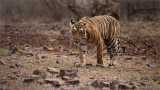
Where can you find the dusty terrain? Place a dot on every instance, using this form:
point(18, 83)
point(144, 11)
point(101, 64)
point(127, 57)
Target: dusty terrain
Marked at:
point(45, 51)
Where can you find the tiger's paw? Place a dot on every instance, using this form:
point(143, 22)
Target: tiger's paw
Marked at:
point(76, 64)
point(99, 65)
point(112, 63)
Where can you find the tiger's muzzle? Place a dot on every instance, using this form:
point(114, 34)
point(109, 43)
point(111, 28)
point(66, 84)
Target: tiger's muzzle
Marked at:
point(76, 40)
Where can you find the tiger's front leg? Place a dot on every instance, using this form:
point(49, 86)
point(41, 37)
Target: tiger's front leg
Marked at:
point(99, 53)
point(82, 57)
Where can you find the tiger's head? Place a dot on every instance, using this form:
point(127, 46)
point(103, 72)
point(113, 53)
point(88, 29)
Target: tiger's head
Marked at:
point(78, 30)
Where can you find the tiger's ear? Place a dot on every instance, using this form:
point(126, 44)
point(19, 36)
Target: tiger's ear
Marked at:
point(72, 22)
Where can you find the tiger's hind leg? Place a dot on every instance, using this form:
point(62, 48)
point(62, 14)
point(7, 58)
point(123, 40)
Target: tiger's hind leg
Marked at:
point(113, 51)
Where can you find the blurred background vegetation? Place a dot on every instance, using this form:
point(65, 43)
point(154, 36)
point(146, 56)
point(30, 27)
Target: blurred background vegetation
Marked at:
point(49, 11)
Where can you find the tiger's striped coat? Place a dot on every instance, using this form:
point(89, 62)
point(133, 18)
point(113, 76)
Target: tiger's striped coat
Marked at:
point(98, 30)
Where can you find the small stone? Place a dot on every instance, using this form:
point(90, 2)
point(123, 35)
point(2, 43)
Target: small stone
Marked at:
point(83, 87)
point(114, 85)
point(105, 88)
point(29, 54)
point(58, 61)
point(128, 58)
point(54, 82)
point(37, 72)
point(12, 49)
point(3, 82)
point(156, 78)
point(41, 73)
point(92, 77)
point(28, 80)
point(105, 84)
point(11, 66)
point(44, 57)
point(96, 84)
point(70, 73)
point(19, 64)
point(10, 59)
point(9, 78)
point(152, 65)
point(144, 78)
point(66, 50)
point(66, 78)
point(124, 86)
point(73, 82)
point(27, 47)
point(2, 62)
point(52, 70)
point(144, 57)
point(143, 84)
point(47, 48)
point(40, 82)
point(6, 89)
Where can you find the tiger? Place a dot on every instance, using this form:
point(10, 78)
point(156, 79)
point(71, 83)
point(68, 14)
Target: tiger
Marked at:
point(99, 30)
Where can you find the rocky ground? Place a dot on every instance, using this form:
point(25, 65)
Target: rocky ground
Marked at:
point(44, 59)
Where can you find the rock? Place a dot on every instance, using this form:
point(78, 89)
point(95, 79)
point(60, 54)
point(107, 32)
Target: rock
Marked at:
point(12, 49)
point(28, 80)
point(156, 78)
point(9, 78)
point(134, 85)
point(66, 50)
point(114, 85)
point(47, 48)
point(144, 57)
point(70, 73)
point(128, 58)
point(159, 82)
point(58, 61)
point(54, 82)
point(105, 88)
point(105, 84)
point(73, 82)
point(96, 84)
point(19, 64)
point(10, 59)
point(2, 62)
point(40, 82)
point(83, 87)
point(35, 76)
point(11, 66)
point(6, 89)
point(41, 73)
point(66, 78)
point(144, 78)
point(124, 86)
point(92, 77)
point(29, 54)
point(44, 57)
point(52, 70)
point(3, 82)
point(143, 84)
point(152, 65)
point(27, 47)
point(37, 72)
